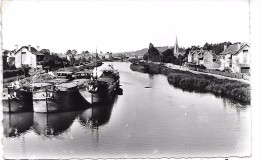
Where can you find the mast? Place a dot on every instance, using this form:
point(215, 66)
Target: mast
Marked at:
point(9, 103)
point(96, 62)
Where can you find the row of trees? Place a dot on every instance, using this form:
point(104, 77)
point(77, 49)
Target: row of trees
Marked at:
point(216, 48)
point(166, 56)
point(53, 60)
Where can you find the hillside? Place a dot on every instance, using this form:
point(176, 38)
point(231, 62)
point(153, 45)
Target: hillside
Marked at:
point(140, 52)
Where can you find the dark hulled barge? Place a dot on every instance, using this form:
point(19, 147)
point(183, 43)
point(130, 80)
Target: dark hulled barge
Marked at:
point(102, 87)
point(17, 99)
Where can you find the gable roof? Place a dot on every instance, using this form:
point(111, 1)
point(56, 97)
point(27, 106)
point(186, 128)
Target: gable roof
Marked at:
point(234, 48)
point(197, 51)
point(242, 46)
point(231, 49)
point(33, 50)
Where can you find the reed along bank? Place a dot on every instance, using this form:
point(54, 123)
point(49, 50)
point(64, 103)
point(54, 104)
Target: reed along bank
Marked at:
point(203, 83)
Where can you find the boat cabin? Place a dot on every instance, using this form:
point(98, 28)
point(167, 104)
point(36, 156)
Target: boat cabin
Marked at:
point(83, 75)
point(57, 81)
point(65, 75)
point(66, 87)
point(38, 86)
point(110, 74)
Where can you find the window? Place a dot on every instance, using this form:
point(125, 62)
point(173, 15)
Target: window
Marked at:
point(245, 53)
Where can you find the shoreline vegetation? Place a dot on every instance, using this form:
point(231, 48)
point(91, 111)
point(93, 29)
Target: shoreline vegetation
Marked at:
point(203, 83)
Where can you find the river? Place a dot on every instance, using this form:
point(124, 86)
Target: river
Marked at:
point(152, 119)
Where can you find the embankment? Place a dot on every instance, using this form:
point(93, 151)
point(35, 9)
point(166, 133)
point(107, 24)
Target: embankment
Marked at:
point(204, 83)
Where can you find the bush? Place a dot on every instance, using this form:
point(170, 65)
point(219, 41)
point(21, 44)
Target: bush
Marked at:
point(24, 70)
point(12, 73)
point(203, 83)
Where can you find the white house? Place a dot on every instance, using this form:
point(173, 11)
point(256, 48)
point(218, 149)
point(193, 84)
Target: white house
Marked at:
point(203, 57)
point(108, 55)
point(236, 57)
point(26, 55)
point(193, 56)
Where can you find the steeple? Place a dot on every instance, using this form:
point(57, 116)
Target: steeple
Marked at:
point(176, 47)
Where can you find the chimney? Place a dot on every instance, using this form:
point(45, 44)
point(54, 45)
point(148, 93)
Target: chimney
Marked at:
point(16, 48)
point(225, 47)
point(238, 45)
point(38, 48)
point(29, 48)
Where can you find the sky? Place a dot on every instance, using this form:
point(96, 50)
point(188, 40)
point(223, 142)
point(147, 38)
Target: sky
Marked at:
point(117, 26)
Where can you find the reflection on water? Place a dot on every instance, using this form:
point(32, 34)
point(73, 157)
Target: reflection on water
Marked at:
point(97, 115)
point(15, 124)
point(53, 124)
point(152, 119)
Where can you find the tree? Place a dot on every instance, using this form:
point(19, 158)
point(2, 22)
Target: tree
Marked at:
point(187, 51)
point(47, 54)
point(145, 57)
point(218, 48)
point(167, 56)
point(153, 53)
point(180, 59)
point(207, 46)
point(25, 68)
point(73, 52)
point(68, 52)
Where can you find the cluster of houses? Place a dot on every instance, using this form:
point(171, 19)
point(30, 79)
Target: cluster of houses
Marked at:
point(26, 55)
point(31, 56)
point(234, 58)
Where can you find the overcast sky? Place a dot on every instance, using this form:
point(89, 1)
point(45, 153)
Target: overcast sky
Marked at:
point(127, 25)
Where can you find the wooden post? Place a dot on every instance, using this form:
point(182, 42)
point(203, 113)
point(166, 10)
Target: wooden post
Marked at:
point(46, 99)
point(91, 98)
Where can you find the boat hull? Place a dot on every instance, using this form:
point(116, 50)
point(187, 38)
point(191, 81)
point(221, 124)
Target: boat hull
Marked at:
point(22, 102)
point(101, 96)
point(60, 101)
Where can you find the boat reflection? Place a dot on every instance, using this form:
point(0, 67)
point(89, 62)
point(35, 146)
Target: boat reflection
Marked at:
point(53, 124)
point(97, 115)
point(15, 124)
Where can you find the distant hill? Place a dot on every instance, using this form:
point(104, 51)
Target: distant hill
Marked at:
point(140, 52)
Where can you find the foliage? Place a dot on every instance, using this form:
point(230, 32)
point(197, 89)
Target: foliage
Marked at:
point(145, 57)
point(24, 70)
point(12, 73)
point(216, 48)
point(153, 53)
point(167, 56)
point(203, 83)
point(68, 52)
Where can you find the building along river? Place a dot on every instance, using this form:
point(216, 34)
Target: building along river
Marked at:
point(152, 119)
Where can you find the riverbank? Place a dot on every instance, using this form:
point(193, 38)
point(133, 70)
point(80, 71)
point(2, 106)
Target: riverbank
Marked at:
point(203, 83)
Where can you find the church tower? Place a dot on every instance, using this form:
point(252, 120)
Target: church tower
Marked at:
point(176, 47)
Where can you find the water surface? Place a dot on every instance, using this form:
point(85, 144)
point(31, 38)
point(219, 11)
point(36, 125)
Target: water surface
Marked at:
point(152, 119)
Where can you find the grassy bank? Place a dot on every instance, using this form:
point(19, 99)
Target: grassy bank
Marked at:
point(204, 83)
